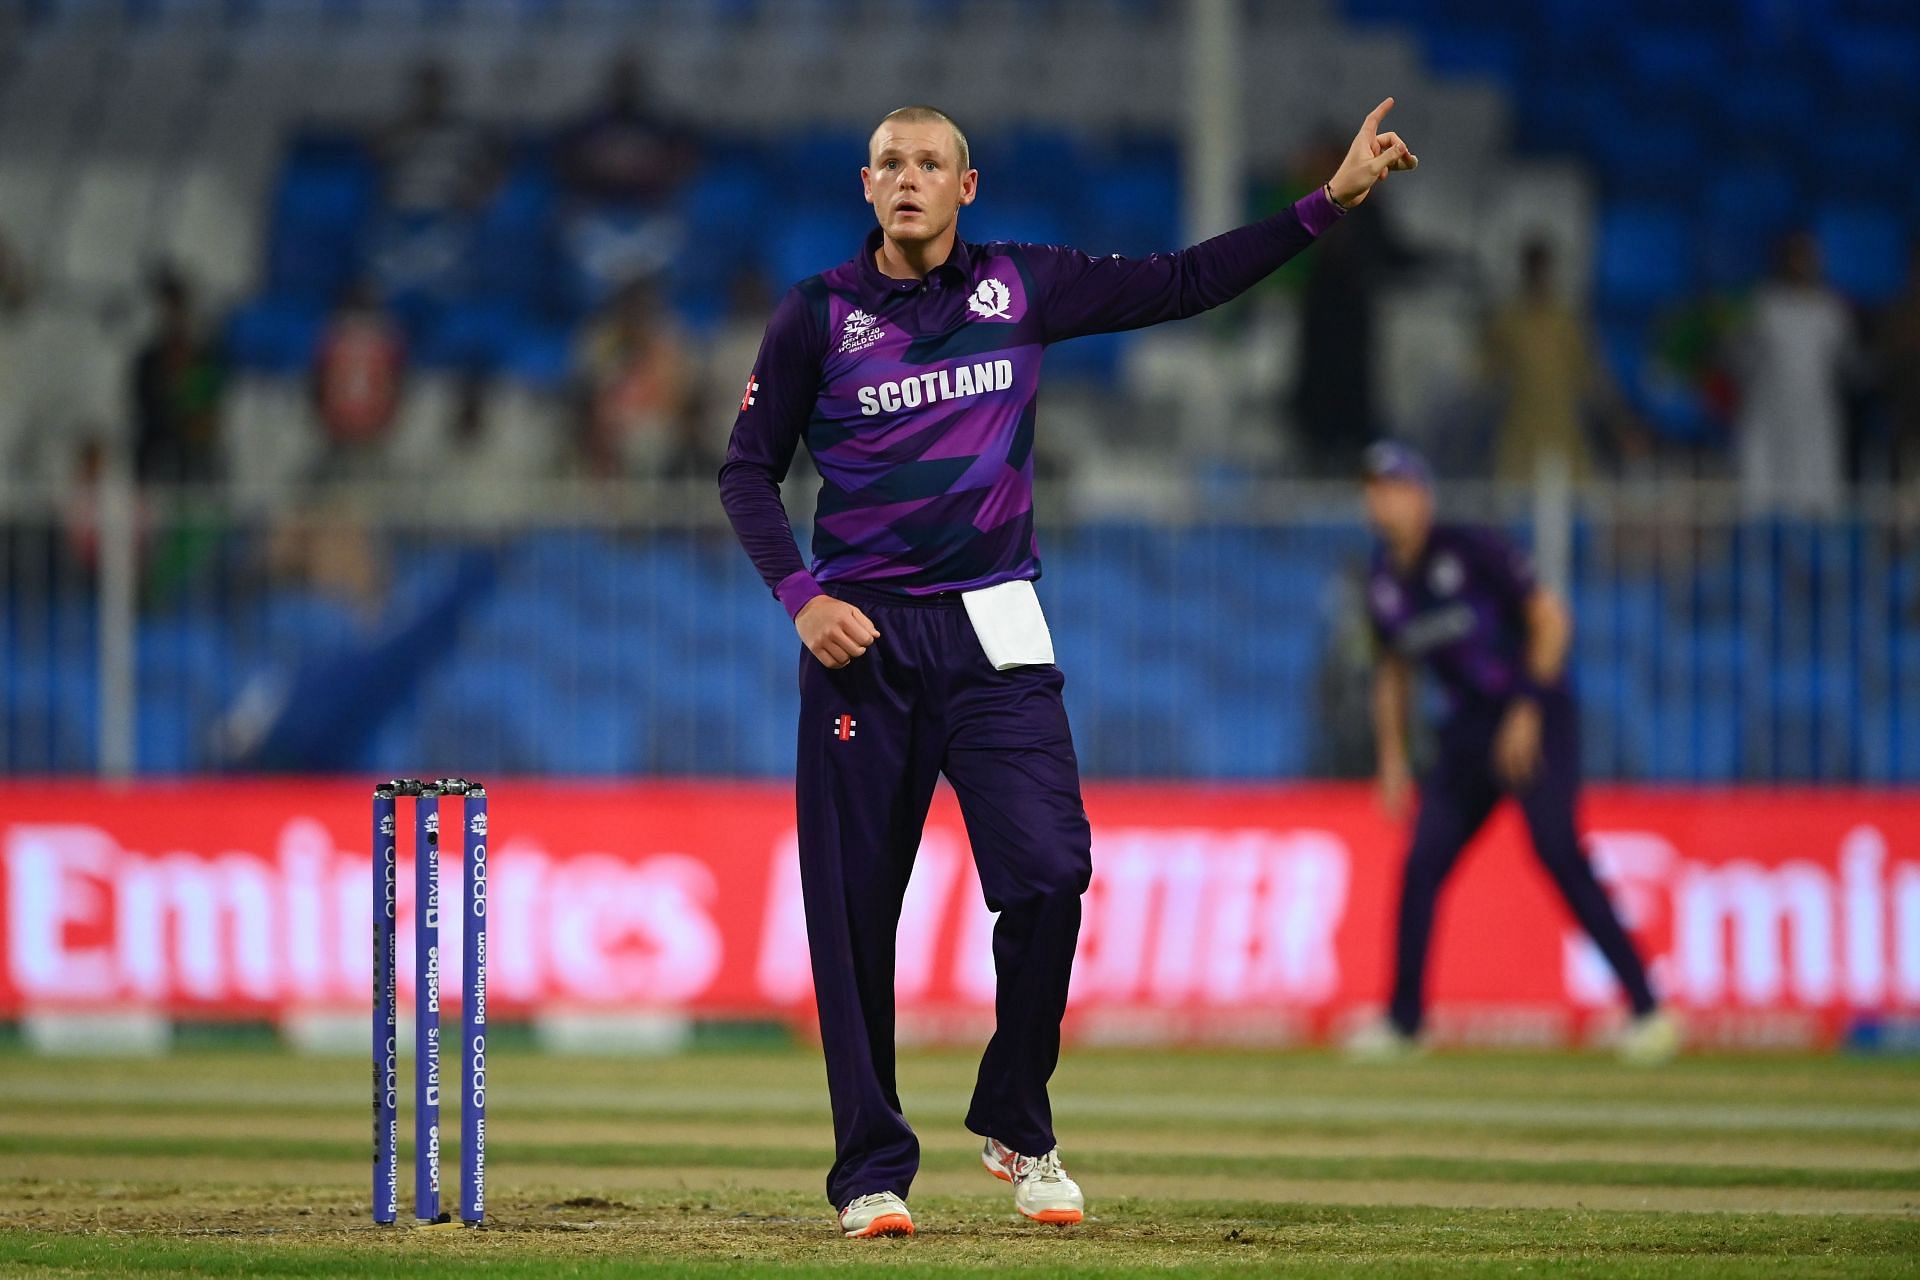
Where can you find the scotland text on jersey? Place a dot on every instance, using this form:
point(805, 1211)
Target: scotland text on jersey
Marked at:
point(936, 385)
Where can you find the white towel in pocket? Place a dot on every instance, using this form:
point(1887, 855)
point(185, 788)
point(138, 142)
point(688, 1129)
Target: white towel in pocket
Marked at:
point(1011, 628)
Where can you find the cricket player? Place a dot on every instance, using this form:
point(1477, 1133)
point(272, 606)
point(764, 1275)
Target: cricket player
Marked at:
point(910, 371)
point(1465, 603)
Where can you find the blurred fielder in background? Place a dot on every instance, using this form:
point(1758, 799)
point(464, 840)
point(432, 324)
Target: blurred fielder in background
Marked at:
point(911, 373)
point(1466, 603)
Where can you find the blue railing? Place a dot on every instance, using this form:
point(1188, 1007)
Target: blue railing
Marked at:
point(634, 643)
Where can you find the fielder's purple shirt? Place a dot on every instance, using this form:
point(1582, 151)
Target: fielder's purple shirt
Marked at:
point(1462, 611)
point(916, 399)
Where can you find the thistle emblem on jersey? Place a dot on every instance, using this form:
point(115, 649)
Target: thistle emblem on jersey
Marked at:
point(991, 300)
point(843, 727)
point(860, 332)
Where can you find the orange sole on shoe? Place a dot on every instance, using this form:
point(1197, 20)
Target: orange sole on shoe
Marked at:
point(997, 1172)
point(890, 1224)
point(1058, 1217)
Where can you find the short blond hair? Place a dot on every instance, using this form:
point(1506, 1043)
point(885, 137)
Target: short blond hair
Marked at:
point(921, 114)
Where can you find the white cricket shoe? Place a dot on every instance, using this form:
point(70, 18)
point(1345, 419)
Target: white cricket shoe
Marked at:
point(880, 1214)
point(1650, 1041)
point(1381, 1041)
point(1041, 1188)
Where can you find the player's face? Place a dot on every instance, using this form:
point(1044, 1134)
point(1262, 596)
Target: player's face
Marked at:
point(1399, 509)
point(914, 181)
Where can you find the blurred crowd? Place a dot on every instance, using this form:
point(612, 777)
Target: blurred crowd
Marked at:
point(1803, 395)
point(638, 394)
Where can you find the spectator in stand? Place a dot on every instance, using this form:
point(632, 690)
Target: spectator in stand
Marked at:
point(636, 389)
point(321, 542)
point(620, 167)
point(433, 160)
point(13, 301)
point(1793, 358)
point(1899, 352)
point(1541, 360)
point(177, 384)
point(1333, 399)
point(359, 372)
point(438, 169)
point(625, 151)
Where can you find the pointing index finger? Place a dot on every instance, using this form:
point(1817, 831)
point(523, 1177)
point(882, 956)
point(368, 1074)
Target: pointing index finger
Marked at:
point(1378, 114)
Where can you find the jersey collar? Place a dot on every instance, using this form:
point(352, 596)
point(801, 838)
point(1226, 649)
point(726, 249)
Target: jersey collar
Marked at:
point(1416, 573)
point(955, 270)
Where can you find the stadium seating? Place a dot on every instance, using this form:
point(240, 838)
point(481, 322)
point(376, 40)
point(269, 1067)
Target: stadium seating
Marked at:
point(1646, 258)
point(1864, 247)
point(1772, 88)
point(231, 135)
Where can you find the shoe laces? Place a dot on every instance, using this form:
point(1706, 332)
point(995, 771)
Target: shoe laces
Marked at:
point(861, 1202)
point(1046, 1168)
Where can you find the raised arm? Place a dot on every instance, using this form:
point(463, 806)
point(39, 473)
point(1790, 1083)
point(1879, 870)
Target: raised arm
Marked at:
point(1081, 294)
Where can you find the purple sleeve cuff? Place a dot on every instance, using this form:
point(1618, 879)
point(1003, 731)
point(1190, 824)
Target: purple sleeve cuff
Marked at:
point(1525, 686)
point(795, 590)
point(1316, 212)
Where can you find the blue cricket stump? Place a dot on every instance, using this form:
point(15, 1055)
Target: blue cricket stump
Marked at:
point(426, 1005)
point(471, 1052)
point(473, 1011)
point(386, 1048)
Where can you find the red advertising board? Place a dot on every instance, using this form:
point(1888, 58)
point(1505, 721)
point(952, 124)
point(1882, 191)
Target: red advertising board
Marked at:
point(1247, 913)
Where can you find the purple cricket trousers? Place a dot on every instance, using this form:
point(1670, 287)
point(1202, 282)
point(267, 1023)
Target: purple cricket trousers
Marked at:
point(1456, 799)
point(875, 736)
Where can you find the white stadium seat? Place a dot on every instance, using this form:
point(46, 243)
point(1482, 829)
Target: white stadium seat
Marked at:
point(104, 242)
point(212, 228)
point(270, 434)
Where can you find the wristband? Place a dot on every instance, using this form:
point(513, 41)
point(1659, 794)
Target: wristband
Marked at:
point(1327, 187)
point(1526, 687)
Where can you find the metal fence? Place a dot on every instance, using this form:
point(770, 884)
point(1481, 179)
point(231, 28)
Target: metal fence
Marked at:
point(428, 628)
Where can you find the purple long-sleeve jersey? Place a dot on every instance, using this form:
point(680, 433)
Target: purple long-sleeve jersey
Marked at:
point(916, 399)
point(1462, 610)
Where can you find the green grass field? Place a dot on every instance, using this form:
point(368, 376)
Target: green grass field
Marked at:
point(258, 1163)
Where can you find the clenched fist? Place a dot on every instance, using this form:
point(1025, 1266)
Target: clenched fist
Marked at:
point(834, 631)
point(1516, 745)
point(1396, 788)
